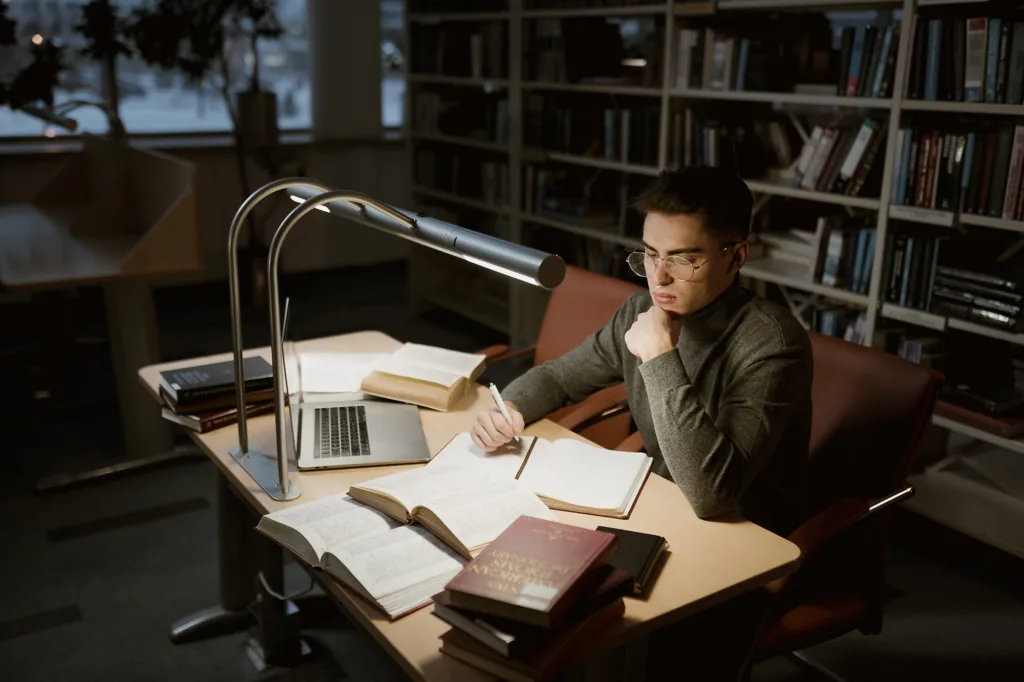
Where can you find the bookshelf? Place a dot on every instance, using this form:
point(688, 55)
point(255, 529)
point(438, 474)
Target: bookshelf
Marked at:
point(892, 108)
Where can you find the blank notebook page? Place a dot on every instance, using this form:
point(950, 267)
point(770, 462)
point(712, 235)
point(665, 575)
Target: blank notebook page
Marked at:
point(584, 475)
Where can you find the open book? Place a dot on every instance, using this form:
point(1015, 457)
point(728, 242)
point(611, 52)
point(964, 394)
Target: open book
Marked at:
point(424, 375)
point(396, 566)
point(467, 507)
point(566, 474)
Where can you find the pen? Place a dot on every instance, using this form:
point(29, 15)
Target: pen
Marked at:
point(501, 406)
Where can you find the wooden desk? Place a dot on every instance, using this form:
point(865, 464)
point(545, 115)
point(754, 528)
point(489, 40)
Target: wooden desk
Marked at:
point(710, 562)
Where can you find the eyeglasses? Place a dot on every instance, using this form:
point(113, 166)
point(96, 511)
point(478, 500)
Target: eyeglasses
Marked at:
point(679, 268)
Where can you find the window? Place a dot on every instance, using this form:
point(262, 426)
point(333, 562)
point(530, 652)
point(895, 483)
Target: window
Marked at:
point(392, 86)
point(154, 101)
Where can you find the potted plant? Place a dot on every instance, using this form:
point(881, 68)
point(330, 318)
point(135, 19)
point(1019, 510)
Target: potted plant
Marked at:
point(204, 39)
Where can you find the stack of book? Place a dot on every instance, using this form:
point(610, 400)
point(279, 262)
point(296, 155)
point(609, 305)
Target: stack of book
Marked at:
point(993, 300)
point(202, 398)
point(537, 599)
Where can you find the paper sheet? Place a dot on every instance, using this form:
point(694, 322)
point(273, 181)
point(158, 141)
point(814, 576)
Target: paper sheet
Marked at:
point(456, 362)
point(504, 462)
point(335, 372)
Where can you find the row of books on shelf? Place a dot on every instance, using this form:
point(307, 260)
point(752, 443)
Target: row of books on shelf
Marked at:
point(581, 4)
point(842, 158)
point(867, 60)
point(967, 59)
point(463, 175)
point(460, 49)
point(623, 134)
point(561, 195)
point(747, 146)
point(477, 118)
point(718, 59)
point(980, 172)
point(911, 266)
point(839, 253)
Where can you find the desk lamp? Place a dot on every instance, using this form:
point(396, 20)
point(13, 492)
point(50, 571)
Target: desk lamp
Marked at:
point(512, 260)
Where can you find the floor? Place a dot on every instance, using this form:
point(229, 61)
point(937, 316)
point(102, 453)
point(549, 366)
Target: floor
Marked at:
point(93, 576)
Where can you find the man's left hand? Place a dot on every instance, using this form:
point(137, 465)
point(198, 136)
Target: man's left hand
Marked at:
point(653, 333)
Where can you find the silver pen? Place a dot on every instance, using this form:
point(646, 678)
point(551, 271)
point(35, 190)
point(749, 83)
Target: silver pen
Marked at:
point(503, 408)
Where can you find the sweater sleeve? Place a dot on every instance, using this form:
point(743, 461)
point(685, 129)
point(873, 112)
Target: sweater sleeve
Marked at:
point(713, 461)
point(594, 364)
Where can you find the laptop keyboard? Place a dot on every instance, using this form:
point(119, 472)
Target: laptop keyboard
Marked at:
point(341, 432)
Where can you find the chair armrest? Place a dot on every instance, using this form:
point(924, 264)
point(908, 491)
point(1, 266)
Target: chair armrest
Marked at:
point(591, 412)
point(501, 353)
point(634, 443)
point(817, 531)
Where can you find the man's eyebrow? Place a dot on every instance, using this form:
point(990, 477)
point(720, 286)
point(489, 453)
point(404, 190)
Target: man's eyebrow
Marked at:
point(687, 249)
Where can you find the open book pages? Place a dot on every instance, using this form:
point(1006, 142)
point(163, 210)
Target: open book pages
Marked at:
point(467, 507)
point(574, 476)
point(424, 375)
point(392, 565)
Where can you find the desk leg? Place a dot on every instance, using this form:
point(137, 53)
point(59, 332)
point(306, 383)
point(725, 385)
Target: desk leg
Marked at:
point(133, 344)
point(235, 536)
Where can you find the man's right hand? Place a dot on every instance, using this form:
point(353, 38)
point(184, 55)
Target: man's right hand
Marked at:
point(492, 430)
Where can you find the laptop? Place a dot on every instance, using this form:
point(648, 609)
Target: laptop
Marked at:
point(339, 432)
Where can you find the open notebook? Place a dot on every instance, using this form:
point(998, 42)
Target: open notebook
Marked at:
point(467, 507)
point(566, 474)
point(424, 375)
point(396, 566)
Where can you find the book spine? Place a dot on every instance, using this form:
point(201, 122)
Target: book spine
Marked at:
point(899, 175)
point(1015, 89)
point(992, 58)
point(931, 84)
point(908, 259)
point(869, 262)
point(966, 171)
point(845, 53)
point(1013, 180)
point(882, 59)
point(1004, 62)
point(974, 70)
point(856, 57)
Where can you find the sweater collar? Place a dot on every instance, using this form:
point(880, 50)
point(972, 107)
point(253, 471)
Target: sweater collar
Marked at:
point(701, 330)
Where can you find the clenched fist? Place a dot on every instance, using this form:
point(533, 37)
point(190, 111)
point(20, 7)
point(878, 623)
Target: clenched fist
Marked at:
point(653, 333)
point(492, 430)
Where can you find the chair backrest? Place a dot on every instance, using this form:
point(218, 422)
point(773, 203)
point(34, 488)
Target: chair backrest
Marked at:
point(870, 413)
point(578, 307)
point(583, 303)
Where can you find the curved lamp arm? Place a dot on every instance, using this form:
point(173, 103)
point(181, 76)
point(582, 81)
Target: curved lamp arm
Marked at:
point(236, 315)
point(361, 201)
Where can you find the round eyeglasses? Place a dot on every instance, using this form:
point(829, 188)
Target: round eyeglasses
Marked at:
point(679, 268)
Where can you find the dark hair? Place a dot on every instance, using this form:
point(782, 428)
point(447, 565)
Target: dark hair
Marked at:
point(719, 198)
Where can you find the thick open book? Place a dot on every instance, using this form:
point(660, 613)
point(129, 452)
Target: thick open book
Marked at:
point(566, 474)
point(424, 375)
point(395, 566)
point(467, 507)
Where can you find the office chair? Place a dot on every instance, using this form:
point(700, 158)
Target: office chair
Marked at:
point(870, 414)
point(583, 303)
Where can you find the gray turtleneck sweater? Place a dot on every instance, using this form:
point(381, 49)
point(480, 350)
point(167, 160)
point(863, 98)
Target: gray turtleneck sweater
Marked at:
point(726, 414)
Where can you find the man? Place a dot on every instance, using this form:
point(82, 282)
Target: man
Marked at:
point(719, 385)
point(718, 380)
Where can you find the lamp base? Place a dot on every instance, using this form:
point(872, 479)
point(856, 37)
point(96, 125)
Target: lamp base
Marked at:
point(264, 471)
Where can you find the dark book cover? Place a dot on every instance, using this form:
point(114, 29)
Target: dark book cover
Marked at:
point(1001, 168)
point(987, 164)
point(202, 422)
point(509, 638)
point(1009, 280)
point(872, 44)
point(1004, 61)
point(1015, 78)
point(919, 59)
point(546, 657)
point(638, 553)
point(914, 271)
point(867, 173)
point(909, 196)
point(959, 57)
point(890, 63)
point(896, 274)
point(846, 48)
point(994, 401)
point(533, 572)
point(979, 289)
point(974, 184)
point(217, 402)
point(190, 383)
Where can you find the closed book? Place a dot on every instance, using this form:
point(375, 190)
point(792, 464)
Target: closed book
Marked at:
point(638, 554)
point(217, 402)
point(1003, 281)
point(991, 400)
point(543, 660)
point(509, 638)
point(533, 572)
point(425, 375)
point(974, 69)
point(187, 384)
point(201, 422)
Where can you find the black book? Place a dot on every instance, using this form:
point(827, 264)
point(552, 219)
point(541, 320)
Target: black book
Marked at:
point(871, 37)
point(203, 382)
point(959, 57)
point(637, 554)
point(993, 400)
point(898, 266)
point(1004, 61)
point(918, 58)
point(1007, 282)
point(844, 60)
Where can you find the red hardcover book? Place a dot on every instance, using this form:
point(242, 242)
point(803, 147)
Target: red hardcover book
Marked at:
point(533, 572)
point(543, 660)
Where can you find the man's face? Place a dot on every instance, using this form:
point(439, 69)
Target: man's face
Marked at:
point(717, 259)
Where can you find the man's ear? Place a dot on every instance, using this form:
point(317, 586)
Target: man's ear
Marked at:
point(739, 255)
